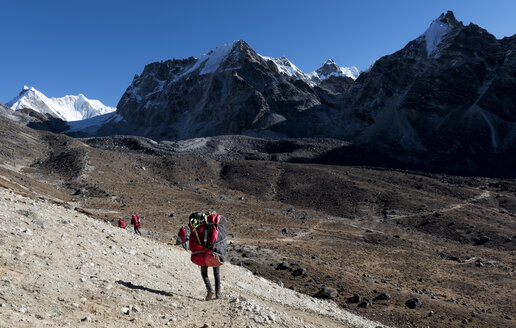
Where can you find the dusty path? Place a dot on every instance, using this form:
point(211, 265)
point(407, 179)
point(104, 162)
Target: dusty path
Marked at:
point(59, 267)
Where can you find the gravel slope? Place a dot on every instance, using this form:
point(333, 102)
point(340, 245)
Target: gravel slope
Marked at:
point(59, 267)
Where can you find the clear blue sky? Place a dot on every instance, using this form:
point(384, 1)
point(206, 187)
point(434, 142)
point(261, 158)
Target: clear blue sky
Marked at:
point(95, 47)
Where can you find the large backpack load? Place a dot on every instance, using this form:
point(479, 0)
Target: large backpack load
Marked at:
point(208, 238)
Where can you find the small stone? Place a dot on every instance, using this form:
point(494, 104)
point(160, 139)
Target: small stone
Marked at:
point(278, 282)
point(293, 287)
point(382, 297)
point(299, 272)
point(363, 304)
point(247, 254)
point(125, 310)
point(136, 308)
point(86, 319)
point(259, 319)
point(413, 303)
point(22, 309)
point(282, 266)
point(354, 299)
point(508, 317)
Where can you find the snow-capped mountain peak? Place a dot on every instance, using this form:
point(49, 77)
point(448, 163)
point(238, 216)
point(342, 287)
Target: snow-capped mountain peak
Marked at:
point(67, 108)
point(437, 30)
point(330, 68)
point(210, 62)
point(285, 66)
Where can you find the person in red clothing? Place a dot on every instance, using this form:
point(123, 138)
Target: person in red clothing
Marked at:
point(208, 245)
point(136, 222)
point(183, 236)
point(121, 223)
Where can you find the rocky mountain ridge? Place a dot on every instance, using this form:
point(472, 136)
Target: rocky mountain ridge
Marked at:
point(445, 100)
point(445, 94)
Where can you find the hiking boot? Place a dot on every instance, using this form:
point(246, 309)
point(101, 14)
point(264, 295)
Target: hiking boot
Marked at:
point(217, 295)
point(209, 296)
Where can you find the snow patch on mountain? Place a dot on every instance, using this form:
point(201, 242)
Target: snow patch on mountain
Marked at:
point(211, 61)
point(327, 70)
point(330, 68)
point(67, 108)
point(286, 67)
point(433, 36)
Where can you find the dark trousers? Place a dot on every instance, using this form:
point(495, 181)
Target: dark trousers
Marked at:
point(137, 230)
point(216, 273)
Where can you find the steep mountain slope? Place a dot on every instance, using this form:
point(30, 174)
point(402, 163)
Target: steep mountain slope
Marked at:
point(60, 267)
point(231, 90)
point(446, 92)
point(67, 108)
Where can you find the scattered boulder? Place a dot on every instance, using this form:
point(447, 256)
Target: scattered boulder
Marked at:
point(247, 254)
point(292, 287)
point(363, 304)
point(326, 293)
point(382, 297)
point(481, 240)
point(413, 303)
point(299, 272)
point(282, 266)
point(354, 299)
point(284, 231)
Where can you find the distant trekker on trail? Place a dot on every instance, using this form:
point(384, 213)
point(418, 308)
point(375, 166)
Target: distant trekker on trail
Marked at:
point(183, 236)
point(121, 223)
point(208, 246)
point(136, 222)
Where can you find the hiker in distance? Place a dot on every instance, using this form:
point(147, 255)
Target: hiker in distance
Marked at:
point(183, 236)
point(121, 223)
point(208, 246)
point(136, 222)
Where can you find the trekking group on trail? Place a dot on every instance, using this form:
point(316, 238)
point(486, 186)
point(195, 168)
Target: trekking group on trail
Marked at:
point(205, 236)
point(136, 221)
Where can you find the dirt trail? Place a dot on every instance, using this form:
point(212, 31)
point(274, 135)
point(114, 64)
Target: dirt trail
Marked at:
point(59, 267)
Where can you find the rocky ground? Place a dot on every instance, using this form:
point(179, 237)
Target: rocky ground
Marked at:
point(407, 249)
point(59, 267)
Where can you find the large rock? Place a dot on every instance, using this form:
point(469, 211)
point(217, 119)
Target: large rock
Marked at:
point(327, 293)
point(413, 303)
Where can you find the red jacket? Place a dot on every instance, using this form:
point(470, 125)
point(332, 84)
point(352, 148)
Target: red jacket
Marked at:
point(121, 223)
point(136, 221)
